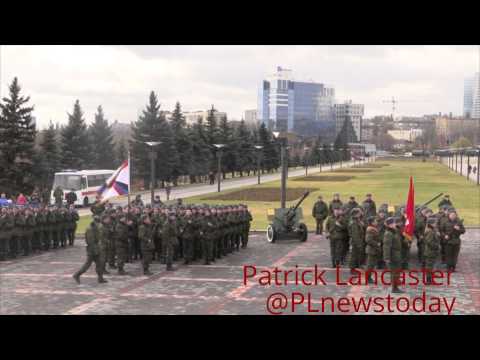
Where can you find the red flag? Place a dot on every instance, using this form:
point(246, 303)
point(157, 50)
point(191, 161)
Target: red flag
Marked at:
point(410, 213)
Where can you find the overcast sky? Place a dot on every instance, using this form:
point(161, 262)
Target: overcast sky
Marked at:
point(428, 79)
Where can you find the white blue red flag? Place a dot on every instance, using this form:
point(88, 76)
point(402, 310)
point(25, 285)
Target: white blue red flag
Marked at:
point(118, 184)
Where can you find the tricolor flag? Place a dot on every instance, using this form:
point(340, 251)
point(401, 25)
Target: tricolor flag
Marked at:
point(118, 184)
point(410, 213)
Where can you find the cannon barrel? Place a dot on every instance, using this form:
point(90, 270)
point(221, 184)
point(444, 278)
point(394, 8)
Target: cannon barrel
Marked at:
point(294, 208)
point(431, 200)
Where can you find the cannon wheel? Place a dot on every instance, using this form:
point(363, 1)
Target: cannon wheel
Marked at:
point(304, 231)
point(271, 234)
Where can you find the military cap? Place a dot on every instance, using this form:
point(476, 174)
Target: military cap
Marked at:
point(390, 220)
point(355, 212)
point(451, 210)
point(352, 197)
point(369, 194)
point(371, 220)
point(336, 194)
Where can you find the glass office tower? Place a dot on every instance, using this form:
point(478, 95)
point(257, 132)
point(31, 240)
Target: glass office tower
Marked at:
point(302, 107)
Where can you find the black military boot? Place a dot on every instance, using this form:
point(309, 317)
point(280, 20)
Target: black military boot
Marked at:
point(112, 266)
point(147, 272)
point(106, 272)
point(186, 262)
point(76, 277)
point(170, 267)
point(101, 280)
point(122, 272)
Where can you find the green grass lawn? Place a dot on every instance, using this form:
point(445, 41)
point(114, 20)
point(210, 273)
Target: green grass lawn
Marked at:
point(388, 184)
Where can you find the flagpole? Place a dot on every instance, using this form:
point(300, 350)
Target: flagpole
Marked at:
point(129, 180)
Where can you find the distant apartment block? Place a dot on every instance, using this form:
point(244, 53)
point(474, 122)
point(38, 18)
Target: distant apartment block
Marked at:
point(250, 116)
point(191, 117)
point(354, 112)
point(405, 135)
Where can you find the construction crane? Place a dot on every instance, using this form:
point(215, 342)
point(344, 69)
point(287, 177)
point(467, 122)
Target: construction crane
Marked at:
point(395, 102)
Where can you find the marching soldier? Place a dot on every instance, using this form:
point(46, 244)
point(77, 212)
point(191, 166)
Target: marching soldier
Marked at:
point(320, 213)
point(18, 232)
point(207, 236)
point(381, 217)
point(442, 218)
point(349, 206)
point(29, 229)
point(248, 220)
point(58, 195)
point(188, 232)
point(107, 240)
point(98, 207)
point(93, 238)
point(6, 227)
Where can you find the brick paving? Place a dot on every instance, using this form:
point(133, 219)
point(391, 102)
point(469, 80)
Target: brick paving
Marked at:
point(42, 284)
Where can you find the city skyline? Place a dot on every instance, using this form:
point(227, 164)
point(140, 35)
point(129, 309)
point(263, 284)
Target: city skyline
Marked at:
point(429, 79)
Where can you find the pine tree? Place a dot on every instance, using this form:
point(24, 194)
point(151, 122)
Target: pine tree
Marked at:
point(182, 143)
point(50, 159)
point(17, 134)
point(225, 136)
point(271, 158)
point(101, 142)
point(152, 126)
point(75, 142)
point(346, 135)
point(202, 155)
point(211, 133)
point(247, 156)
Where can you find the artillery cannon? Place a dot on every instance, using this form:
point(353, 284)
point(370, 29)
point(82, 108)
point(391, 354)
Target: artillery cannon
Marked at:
point(285, 223)
point(396, 209)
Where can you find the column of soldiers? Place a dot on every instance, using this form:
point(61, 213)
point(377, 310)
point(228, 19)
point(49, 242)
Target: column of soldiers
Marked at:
point(162, 233)
point(25, 230)
point(376, 240)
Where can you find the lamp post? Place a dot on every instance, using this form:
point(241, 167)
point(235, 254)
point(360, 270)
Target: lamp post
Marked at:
point(332, 157)
point(259, 153)
point(153, 157)
point(283, 149)
point(461, 162)
point(306, 148)
point(219, 158)
point(456, 161)
point(478, 166)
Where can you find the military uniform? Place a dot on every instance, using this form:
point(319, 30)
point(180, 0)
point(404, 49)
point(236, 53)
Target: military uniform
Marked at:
point(16, 240)
point(248, 220)
point(392, 254)
point(334, 204)
point(188, 234)
point(420, 223)
point(121, 244)
point(170, 239)
point(432, 249)
point(145, 235)
point(337, 231)
point(369, 208)
point(320, 213)
point(30, 224)
point(452, 241)
point(357, 235)
point(6, 226)
point(95, 254)
point(374, 247)
point(72, 226)
point(207, 237)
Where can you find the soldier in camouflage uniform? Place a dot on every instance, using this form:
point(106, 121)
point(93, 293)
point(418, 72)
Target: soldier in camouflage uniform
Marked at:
point(431, 241)
point(349, 206)
point(145, 235)
point(16, 240)
point(73, 218)
point(248, 220)
point(442, 218)
point(373, 242)
point(188, 229)
point(6, 226)
point(381, 217)
point(121, 241)
point(170, 238)
point(37, 241)
point(29, 229)
point(369, 207)
point(93, 238)
point(451, 230)
point(62, 226)
point(336, 203)
point(392, 252)
point(207, 236)
point(357, 236)
point(320, 213)
point(336, 232)
point(108, 228)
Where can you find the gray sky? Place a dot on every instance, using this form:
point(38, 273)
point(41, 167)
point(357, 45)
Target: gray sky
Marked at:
point(121, 77)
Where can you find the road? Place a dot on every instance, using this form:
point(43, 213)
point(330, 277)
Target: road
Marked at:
point(43, 284)
point(194, 190)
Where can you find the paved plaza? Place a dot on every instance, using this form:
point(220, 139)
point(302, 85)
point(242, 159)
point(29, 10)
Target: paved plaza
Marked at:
point(43, 284)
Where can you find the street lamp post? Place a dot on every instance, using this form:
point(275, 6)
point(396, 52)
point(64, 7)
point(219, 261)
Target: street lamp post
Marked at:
point(259, 153)
point(219, 158)
point(456, 161)
point(153, 157)
point(478, 166)
point(283, 150)
point(461, 162)
point(306, 160)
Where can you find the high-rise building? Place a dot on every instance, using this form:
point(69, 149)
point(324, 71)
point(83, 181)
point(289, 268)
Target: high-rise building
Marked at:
point(296, 106)
point(250, 116)
point(354, 112)
point(476, 97)
point(468, 97)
